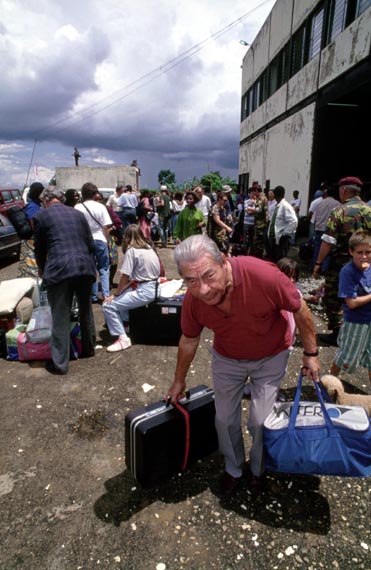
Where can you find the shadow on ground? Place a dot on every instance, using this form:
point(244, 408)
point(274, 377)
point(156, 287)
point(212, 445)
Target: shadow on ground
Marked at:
point(287, 501)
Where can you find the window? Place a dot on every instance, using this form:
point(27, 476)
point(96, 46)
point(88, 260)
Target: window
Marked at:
point(256, 97)
point(244, 107)
point(338, 12)
point(316, 25)
point(250, 107)
point(264, 86)
point(7, 197)
point(284, 65)
point(298, 50)
point(273, 76)
point(243, 181)
point(16, 194)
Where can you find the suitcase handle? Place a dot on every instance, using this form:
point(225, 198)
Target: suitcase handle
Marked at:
point(185, 414)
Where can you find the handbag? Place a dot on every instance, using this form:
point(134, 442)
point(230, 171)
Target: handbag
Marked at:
point(314, 438)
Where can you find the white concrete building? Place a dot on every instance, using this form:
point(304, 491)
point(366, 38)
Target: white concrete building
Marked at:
point(102, 176)
point(306, 97)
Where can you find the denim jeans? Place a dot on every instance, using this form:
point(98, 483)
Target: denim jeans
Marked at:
point(128, 216)
point(102, 263)
point(117, 312)
point(163, 224)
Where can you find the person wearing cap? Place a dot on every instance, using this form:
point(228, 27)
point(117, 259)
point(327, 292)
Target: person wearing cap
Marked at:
point(64, 250)
point(27, 266)
point(352, 215)
point(190, 220)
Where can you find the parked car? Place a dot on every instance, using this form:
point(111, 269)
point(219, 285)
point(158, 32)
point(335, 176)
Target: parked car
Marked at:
point(106, 192)
point(10, 197)
point(9, 241)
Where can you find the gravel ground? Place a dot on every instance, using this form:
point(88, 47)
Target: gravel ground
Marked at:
point(69, 503)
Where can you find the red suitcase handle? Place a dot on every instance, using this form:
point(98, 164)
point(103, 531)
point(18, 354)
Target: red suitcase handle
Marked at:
point(185, 414)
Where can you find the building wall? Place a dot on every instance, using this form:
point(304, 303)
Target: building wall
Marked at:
point(103, 177)
point(276, 139)
point(348, 49)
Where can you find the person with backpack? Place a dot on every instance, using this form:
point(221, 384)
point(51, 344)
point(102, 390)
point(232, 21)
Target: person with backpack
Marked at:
point(27, 266)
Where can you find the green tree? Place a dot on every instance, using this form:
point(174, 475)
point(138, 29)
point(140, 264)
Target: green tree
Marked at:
point(212, 182)
point(166, 177)
point(230, 181)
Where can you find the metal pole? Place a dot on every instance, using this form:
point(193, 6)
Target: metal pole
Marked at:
point(29, 168)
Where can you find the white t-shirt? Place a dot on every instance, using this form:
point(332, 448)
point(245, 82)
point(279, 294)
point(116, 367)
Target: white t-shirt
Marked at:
point(101, 215)
point(141, 264)
point(204, 205)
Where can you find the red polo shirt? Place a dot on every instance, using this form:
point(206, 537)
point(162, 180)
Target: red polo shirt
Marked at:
point(256, 326)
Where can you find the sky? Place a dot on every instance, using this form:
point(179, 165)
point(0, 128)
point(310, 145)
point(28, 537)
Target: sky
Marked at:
point(156, 81)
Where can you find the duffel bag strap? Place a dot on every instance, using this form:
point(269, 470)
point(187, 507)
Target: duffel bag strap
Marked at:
point(321, 395)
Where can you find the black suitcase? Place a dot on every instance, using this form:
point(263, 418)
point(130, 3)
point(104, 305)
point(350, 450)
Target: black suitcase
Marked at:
point(155, 436)
point(157, 323)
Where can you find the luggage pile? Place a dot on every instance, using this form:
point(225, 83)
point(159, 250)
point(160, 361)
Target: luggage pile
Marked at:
point(26, 321)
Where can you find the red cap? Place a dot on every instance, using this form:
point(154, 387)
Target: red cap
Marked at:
point(351, 181)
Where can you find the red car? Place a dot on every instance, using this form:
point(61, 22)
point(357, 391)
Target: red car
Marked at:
point(10, 197)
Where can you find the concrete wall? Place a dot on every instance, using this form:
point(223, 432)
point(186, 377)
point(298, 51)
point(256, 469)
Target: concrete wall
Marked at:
point(103, 177)
point(349, 48)
point(283, 153)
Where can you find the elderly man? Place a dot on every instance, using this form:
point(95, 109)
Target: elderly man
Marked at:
point(244, 301)
point(342, 223)
point(204, 203)
point(64, 251)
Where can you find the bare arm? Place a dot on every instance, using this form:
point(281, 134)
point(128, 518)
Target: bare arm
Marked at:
point(186, 353)
point(324, 251)
point(358, 301)
point(124, 284)
point(305, 324)
point(219, 222)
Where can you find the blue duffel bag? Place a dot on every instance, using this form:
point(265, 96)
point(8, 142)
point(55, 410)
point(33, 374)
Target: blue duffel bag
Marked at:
point(317, 438)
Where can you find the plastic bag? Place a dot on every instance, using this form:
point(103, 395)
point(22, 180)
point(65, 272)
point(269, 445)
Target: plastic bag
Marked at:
point(39, 328)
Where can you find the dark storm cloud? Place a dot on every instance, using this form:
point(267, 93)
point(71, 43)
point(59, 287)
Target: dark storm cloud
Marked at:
point(42, 86)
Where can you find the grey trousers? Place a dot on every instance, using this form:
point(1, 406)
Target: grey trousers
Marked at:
point(60, 300)
point(229, 377)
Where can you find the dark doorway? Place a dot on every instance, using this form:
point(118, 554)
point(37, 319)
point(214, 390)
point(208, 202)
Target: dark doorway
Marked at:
point(342, 132)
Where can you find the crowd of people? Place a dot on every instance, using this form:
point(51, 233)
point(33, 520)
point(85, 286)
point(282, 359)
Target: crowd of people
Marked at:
point(253, 296)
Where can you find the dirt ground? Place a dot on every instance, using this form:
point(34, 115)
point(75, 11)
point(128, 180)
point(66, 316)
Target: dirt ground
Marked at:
point(68, 501)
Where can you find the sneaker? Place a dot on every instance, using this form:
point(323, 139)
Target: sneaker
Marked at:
point(119, 344)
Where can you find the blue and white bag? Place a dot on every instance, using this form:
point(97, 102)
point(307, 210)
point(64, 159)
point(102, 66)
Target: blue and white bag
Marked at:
point(318, 438)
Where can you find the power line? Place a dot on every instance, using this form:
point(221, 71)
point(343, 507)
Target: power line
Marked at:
point(145, 79)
